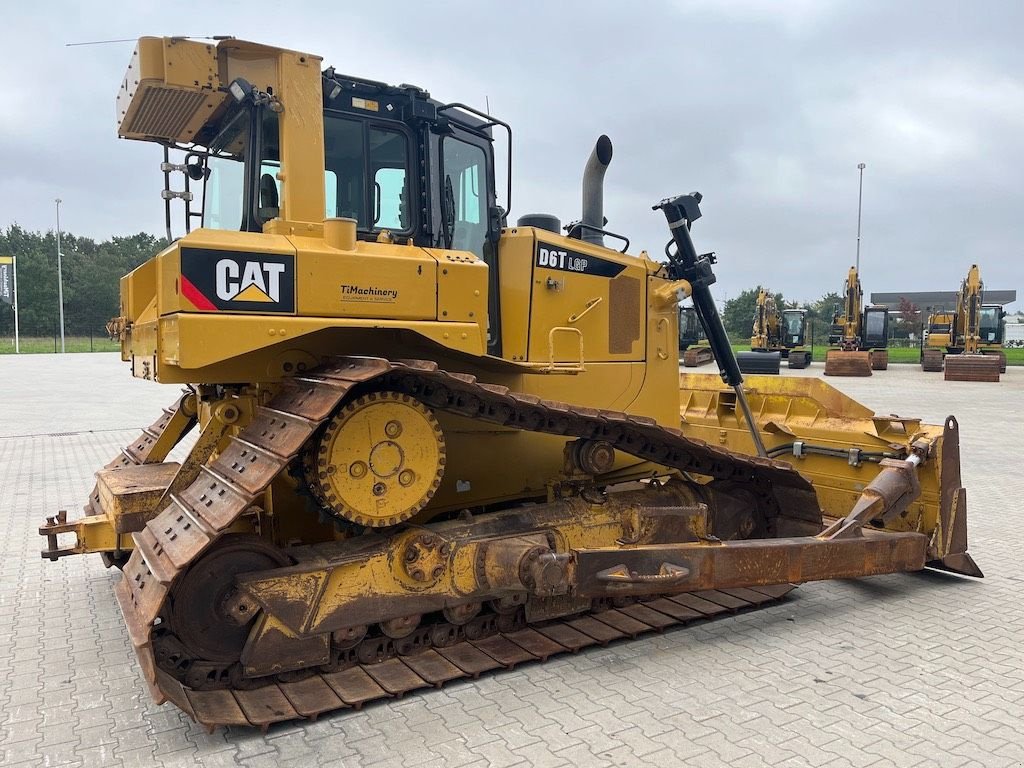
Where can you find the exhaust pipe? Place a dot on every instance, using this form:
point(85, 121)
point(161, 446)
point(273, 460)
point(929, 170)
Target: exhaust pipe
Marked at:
point(593, 191)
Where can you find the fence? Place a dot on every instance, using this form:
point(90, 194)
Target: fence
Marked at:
point(82, 333)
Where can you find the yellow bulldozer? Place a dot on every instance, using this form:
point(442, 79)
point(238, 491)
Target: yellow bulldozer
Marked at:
point(968, 339)
point(419, 441)
point(859, 336)
point(775, 337)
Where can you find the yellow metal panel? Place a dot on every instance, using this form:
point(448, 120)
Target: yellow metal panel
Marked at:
point(208, 339)
point(461, 286)
point(169, 278)
point(515, 282)
point(302, 138)
point(564, 298)
point(138, 290)
point(374, 280)
point(170, 89)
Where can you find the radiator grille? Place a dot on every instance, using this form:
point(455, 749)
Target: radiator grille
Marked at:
point(165, 112)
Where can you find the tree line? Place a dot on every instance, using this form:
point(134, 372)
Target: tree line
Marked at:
point(91, 273)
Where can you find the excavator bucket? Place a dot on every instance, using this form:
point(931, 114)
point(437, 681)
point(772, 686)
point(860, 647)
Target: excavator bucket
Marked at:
point(972, 368)
point(695, 357)
point(759, 362)
point(931, 360)
point(879, 359)
point(840, 362)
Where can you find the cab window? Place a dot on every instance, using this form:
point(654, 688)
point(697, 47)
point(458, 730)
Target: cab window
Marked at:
point(463, 190)
point(365, 174)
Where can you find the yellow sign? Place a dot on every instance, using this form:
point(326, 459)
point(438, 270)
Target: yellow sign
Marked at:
point(6, 259)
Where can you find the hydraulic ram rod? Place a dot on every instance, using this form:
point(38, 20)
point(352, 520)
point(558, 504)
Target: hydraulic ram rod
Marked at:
point(685, 264)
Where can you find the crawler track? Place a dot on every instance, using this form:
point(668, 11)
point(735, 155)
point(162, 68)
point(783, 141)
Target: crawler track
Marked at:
point(201, 514)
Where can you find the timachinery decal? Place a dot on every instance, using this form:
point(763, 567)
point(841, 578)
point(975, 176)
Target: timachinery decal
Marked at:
point(370, 293)
point(234, 281)
point(557, 257)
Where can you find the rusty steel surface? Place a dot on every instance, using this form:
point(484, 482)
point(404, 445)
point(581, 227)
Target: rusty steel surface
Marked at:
point(978, 367)
point(179, 668)
point(843, 362)
point(694, 357)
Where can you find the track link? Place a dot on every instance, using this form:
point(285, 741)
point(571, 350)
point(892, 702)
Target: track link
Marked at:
point(198, 516)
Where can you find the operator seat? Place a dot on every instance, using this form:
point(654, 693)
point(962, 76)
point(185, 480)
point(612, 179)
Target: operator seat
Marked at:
point(270, 207)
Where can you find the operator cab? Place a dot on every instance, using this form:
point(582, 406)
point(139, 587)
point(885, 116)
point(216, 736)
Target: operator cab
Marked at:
point(991, 325)
point(405, 167)
point(394, 159)
point(875, 328)
point(793, 328)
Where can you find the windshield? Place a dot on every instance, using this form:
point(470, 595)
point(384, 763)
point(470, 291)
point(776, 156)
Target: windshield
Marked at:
point(365, 174)
point(223, 191)
point(875, 325)
point(465, 203)
point(990, 324)
point(794, 322)
point(225, 199)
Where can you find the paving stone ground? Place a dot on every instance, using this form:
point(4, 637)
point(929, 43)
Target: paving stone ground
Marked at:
point(918, 670)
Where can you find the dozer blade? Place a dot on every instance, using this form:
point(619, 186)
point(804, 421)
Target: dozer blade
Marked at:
point(759, 362)
point(879, 360)
point(697, 356)
point(839, 362)
point(972, 368)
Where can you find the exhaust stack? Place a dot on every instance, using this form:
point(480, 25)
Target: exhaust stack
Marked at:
point(593, 191)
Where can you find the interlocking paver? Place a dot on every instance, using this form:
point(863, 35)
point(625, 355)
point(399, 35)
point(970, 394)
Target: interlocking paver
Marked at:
point(904, 670)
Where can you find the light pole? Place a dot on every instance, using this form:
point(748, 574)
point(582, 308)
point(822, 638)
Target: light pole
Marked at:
point(860, 197)
point(60, 278)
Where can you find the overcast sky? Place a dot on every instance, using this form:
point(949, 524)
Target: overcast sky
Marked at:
point(765, 107)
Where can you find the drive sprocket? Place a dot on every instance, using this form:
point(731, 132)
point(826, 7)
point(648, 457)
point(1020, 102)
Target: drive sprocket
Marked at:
point(379, 460)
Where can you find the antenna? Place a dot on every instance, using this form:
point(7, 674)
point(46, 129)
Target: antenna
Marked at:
point(134, 39)
point(101, 42)
point(487, 104)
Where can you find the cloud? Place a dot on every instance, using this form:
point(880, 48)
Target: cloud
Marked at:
point(765, 107)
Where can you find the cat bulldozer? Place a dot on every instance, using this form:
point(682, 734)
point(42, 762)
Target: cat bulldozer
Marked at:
point(969, 339)
point(418, 441)
point(859, 336)
point(775, 337)
point(692, 340)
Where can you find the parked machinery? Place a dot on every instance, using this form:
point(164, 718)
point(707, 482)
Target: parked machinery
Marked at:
point(859, 335)
point(429, 443)
point(692, 340)
point(794, 338)
point(970, 336)
point(775, 336)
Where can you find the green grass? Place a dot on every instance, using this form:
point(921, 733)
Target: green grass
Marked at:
point(32, 345)
point(1014, 356)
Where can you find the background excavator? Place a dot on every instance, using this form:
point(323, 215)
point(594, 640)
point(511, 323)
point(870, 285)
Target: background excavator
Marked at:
point(419, 442)
point(775, 336)
point(859, 336)
point(692, 339)
point(969, 339)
